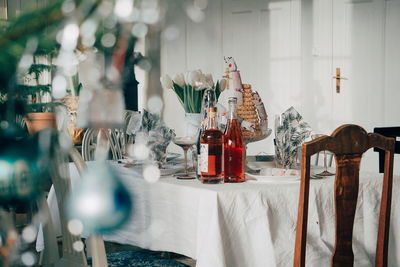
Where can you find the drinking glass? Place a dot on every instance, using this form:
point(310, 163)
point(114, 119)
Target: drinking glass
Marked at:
point(185, 142)
point(325, 172)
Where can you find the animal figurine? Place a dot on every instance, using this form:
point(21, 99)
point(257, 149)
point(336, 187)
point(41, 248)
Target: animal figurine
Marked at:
point(237, 81)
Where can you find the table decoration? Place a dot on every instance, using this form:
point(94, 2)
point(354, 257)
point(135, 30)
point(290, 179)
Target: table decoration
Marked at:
point(150, 130)
point(251, 109)
point(190, 87)
point(290, 132)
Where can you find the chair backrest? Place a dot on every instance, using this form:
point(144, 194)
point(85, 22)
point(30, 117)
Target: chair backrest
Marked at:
point(347, 143)
point(117, 139)
point(388, 132)
point(90, 139)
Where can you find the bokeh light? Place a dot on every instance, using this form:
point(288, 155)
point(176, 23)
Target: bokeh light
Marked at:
point(28, 258)
point(151, 173)
point(89, 27)
point(155, 104)
point(139, 30)
point(75, 226)
point(150, 16)
point(70, 36)
point(123, 8)
point(171, 33)
point(108, 40)
point(68, 6)
point(59, 88)
point(29, 234)
point(141, 151)
point(78, 246)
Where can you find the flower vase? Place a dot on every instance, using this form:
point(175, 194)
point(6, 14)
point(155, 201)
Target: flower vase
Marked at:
point(192, 124)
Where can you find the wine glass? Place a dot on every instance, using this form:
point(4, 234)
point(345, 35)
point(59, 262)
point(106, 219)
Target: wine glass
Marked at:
point(185, 142)
point(325, 172)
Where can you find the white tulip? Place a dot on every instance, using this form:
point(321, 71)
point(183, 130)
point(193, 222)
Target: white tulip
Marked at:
point(187, 80)
point(222, 85)
point(193, 77)
point(209, 80)
point(166, 82)
point(179, 79)
point(201, 83)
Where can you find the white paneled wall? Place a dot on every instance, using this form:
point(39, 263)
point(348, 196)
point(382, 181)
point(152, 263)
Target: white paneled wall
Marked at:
point(289, 50)
point(391, 63)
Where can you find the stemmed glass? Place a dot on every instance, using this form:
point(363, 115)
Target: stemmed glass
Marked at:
point(325, 172)
point(185, 142)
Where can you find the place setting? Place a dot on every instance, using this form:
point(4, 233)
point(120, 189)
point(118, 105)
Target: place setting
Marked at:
point(290, 132)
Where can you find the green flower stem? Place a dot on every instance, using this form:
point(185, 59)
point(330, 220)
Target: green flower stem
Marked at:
point(190, 98)
point(179, 92)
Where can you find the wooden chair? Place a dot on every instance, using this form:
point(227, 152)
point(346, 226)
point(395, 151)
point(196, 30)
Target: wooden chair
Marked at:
point(347, 143)
point(91, 138)
point(388, 132)
point(117, 139)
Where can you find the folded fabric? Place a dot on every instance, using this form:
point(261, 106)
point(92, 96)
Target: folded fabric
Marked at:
point(150, 130)
point(291, 131)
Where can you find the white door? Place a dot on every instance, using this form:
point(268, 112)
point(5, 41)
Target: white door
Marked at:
point(364, 38)
point(358, 50)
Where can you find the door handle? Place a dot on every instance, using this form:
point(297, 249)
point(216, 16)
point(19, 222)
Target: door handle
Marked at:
point(338, 77)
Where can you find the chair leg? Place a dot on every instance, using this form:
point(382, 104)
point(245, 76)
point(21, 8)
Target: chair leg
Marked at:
point(49, 256)
point(96, 249)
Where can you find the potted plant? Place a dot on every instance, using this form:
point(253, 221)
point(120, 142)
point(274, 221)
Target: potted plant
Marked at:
point(35, 91)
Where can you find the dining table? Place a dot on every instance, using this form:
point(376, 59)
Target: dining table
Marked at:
point(244, 224)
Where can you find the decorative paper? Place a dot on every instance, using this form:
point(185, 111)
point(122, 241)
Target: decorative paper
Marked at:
point(71, 102)
point(153, 132)
point(291, 131)
point(262, 113)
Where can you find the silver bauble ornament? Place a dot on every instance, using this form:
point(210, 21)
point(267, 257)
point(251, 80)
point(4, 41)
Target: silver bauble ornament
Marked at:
point(100, 200)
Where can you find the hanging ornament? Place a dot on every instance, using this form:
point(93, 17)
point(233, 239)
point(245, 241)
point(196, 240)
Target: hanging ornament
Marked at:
point(20, 178)
point(100, 200)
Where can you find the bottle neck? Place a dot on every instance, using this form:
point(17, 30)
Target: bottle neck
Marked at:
point(212, 122)
point(232, 111)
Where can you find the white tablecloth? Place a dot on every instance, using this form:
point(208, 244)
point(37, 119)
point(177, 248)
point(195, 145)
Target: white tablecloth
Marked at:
point(248, 224)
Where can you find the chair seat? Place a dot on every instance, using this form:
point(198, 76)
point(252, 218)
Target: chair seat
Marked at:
point(138, 259)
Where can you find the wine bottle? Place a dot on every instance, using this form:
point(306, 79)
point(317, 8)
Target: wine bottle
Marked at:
point(234, 147)
point(209, 100)
point(212, 151)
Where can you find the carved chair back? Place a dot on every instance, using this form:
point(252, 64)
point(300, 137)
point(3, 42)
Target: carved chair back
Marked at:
point(347, 143)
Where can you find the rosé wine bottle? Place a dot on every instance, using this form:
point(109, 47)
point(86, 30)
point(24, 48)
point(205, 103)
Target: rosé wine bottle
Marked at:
point(234, 147)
